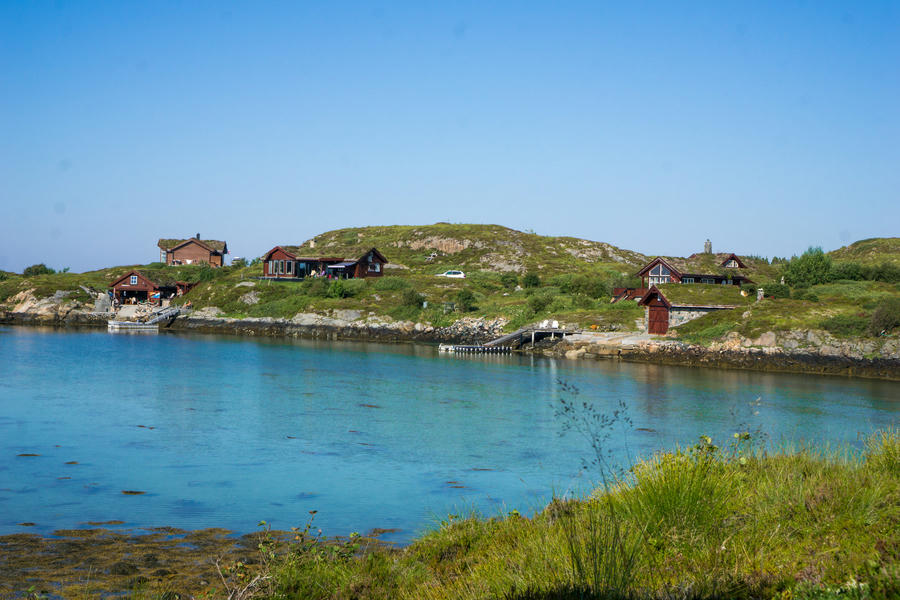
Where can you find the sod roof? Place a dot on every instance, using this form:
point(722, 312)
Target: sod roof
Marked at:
point(169, 243)
point(754, 269)
point(701, 294)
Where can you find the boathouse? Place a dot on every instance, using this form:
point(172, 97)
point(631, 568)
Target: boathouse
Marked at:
point(139, 286)
point(670, 305)
point(288, 262)
point(192, 251)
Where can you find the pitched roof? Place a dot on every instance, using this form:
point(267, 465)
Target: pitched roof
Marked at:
point(172, 243)
point(700, 264)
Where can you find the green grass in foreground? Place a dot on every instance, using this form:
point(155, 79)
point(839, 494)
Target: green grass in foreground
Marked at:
point(694, 523)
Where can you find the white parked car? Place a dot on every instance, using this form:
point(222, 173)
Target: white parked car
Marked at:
point(456, 274)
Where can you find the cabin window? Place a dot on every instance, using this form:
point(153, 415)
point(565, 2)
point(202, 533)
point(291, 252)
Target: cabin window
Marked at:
point(731, 263)
point(133, 280)
point(726, 282)
point(271, 267)
point(290, 267)
point(687, 280)
point(707, 280)
point(660, 274)
point(374, 267)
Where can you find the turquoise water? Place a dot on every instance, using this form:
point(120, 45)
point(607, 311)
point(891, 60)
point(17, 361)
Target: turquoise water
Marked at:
point(225, 432)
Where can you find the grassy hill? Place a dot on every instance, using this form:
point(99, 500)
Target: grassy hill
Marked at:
point(479, 247)
point(569, 279)
point(872, 251)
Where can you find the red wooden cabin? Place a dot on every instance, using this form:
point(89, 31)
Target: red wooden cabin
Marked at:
point(192, 251)
point(287, 262)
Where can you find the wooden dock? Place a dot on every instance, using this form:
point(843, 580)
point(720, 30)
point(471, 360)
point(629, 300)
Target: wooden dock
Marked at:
point(150, 324)
point(505, 343)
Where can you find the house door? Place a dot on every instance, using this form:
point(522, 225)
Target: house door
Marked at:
point(658, 320)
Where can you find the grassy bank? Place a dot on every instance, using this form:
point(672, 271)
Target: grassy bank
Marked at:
point(694, 523)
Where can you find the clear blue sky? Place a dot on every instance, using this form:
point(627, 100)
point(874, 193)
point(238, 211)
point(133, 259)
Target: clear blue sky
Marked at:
point(766, 127)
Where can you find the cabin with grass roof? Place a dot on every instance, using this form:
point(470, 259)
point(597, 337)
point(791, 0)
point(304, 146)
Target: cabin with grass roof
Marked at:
point(192, 251)
point(289, 262)
point(670, 304)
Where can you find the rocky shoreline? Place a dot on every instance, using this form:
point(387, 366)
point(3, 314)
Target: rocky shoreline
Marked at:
point(815, 352)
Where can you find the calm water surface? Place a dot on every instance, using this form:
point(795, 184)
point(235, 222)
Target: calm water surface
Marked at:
point(226, 432)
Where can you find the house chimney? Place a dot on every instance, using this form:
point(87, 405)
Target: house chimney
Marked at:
point(707, 247)
point(198, 236)
point(312, 243)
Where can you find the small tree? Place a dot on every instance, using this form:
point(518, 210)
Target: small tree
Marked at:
point(531, 280)
point(812, 268)
point(886, 317)
point(38, 269)
point(465, 300)
point(509, 280)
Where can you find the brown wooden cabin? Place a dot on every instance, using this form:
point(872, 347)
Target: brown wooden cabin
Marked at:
point(287, 262)
point(192, 251)
point(137, 287)
point(722, 268)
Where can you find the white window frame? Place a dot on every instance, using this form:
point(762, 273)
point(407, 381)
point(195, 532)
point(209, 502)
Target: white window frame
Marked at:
point(687, 280)
point(731, 264)
point(663, 275)
point(133, 280)
point(707, 280)
point(290, 267)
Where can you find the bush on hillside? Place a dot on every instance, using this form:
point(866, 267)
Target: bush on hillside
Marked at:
point(539, 302)
point(593, 287)
point(531, 280)
point(811, 268)
point(886, 272)
point(776, 290)
point(38, 269)
point(845, 271)
point(412, 298)
point(886, 317)
point(509, 280)
point(465, 300)
point(803, 293)
point(846, 325)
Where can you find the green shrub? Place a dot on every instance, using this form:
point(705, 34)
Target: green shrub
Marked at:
point(465, 300)
point(239, 262)
point(846, 271)
point(411, 298)
point(539, 302)
point(38, 269)
point(591, 286)
point(886, 272)
point(509, 280)
point(750, 288)
point(4, 275)
point(316, 287)
point(390, 283)
point(337, 289)
point(886, 317)
point(776, 290)
point(531, 280)
point(846, 325)
point(804, 294)
point(811, 268)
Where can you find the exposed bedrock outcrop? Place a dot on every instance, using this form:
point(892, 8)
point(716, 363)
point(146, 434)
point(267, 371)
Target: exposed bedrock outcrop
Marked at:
point(792, 351)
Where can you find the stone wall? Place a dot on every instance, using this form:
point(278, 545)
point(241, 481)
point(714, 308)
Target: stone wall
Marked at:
point(680, 315)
